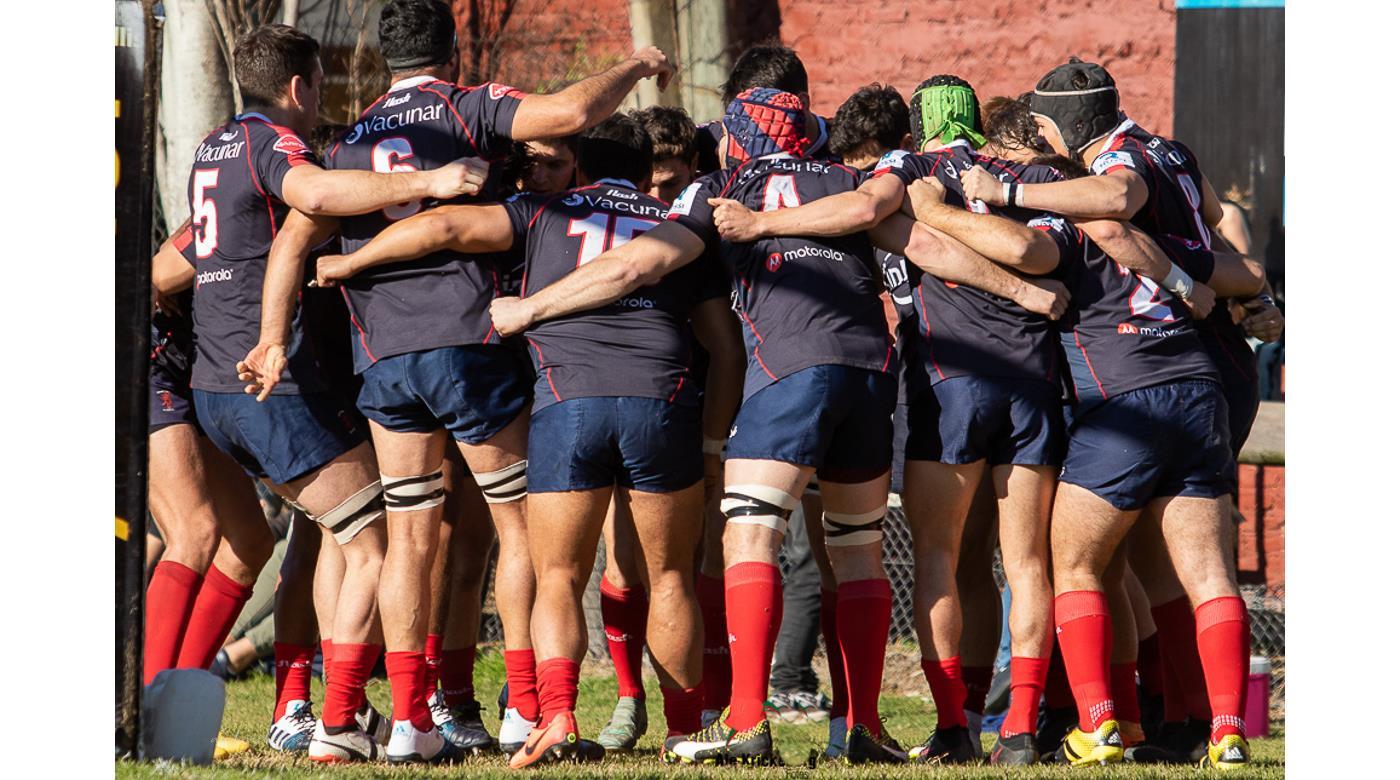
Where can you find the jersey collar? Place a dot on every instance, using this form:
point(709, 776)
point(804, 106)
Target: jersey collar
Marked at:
point(957, 142)
point(411, 81)
point(1123, 127)
point(820, 141)
point(616, 182)
point(252, 115)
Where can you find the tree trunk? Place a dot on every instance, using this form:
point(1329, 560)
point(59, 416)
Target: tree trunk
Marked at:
point(195, 97)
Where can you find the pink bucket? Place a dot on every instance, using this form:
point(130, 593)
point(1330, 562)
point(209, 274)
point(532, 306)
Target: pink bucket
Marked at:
point(1256, 703)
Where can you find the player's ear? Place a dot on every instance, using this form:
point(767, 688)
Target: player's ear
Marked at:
point(907, 142)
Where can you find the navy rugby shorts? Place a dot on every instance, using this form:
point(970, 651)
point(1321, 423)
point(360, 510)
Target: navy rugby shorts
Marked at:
point(472, 391)
point(282, 438)
point(1001, 420)
point(646, 444)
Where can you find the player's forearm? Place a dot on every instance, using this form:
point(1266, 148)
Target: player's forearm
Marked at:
point(946, 258)
point(407, 239)
point(170, 271)
point(1129, 247)
point(282, 280)
point(834, 215)
point(724, 389)
point(1095, 197)
point(1236, 276)
point(578, 106)
point(346, 193)
point(996, 238)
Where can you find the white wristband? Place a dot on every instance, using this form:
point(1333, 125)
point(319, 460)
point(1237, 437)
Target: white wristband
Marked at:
point(1006, 193)
point(1178, 282)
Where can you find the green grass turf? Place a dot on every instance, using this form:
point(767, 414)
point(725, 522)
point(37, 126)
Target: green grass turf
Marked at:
point(908, 718)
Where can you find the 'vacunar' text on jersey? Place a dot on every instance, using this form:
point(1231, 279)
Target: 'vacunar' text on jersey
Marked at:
point(803, 301)
point(442, 299)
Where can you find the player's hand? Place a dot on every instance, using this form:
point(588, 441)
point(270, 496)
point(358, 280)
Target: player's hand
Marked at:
point(734, 221)
point(262, 368)
point(655, 63)
point(1046, 297)
point(464, 176)
point(1264, 321)
point(978, 184)
point(511, 315)
point(926, 193)
point(332, 269)
point(166, 304)
point(1201, 301)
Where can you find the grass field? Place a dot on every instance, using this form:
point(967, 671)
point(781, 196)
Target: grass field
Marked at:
point(909, 718)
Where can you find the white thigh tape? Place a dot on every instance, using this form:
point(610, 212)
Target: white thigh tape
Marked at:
point(411, 494)
point(757, 505)
point(354, 513)
point(843, 530)
point(504, 485)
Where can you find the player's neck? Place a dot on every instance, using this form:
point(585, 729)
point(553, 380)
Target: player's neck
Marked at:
point(277, 115)
point(439, 72)
point(1094, 149)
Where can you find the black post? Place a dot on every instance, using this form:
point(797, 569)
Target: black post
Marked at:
point(135, 115)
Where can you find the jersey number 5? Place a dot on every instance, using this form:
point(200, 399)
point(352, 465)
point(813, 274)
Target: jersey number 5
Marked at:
point(602, 231)
point(388, 157)
point(204, 213)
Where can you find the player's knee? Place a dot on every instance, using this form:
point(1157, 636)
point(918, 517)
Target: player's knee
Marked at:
point(354, 514)
point(503, 486)
point(758, 505)
point(854, 529)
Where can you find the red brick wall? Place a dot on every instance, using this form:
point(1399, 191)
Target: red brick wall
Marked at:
point(1001, 46)
point(1261, 556)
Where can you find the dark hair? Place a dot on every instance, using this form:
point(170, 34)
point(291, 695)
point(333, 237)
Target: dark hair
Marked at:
point(771, 66)
point(325, 135)
point(916, 117)
point(671, 130)
point(616, 148)
point(416, 34)
point(266, 59)
point(1009, 124)
point(874, 112)
point(518, 159)
point(1069, 168)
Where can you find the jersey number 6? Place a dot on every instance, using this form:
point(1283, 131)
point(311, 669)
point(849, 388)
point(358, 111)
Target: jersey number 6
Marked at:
point(388, 157)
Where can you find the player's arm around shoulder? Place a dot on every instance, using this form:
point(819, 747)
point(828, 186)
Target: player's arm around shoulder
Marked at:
point(459, 228)
point(997, 238)
point(1117, 193)
point(834, 215)
point(637, 263)
point(316, 191)
point(581, 105)
point(717, 330)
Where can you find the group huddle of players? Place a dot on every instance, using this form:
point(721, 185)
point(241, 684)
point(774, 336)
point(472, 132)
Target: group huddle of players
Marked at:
point(677, 334)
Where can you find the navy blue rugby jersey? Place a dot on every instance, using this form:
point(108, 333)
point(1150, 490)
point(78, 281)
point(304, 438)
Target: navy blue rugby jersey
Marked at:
point(639, 345)
point(442, 299)
point(236, 208)
point(172, 335)
point(1122, 332)
point(1224, 339)
point(964, 330)
point(1173, 180)
point(803, 301)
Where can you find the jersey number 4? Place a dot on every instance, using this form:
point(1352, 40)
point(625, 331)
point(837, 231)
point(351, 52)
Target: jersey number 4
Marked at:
point(781, 193)
point(1146, 300)
point(388, 156)
point(602, 231)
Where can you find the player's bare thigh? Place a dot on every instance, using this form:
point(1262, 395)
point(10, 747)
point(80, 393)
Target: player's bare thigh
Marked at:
point(179, 498)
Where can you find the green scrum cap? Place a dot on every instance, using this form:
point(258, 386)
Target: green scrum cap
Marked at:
point(946, 108)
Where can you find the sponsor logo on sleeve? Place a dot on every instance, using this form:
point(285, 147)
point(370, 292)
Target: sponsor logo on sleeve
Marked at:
point(685, 201)
point(290, 145)
point(498, 91)
point(891, 160)
point(1109, 160)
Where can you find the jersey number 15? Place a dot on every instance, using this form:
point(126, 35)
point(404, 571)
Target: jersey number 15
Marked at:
point(602, 231)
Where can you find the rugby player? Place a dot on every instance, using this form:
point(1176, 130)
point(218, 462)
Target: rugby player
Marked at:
point(674, 157)
point(245, 176)
point(1145, 386)
point(425, 374)
point(1157, 184)
point(818, 397)
point(608, 415)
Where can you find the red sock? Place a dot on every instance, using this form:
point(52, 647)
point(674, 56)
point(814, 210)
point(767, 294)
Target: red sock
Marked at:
point(945, 683)
point(346, 690)
point(682, 707)
point(840, 702)
point(863, 630)
point(1222, 633)
point(709, 591)
point(978, 681)
point(625, 624)
point(520, 680)
point(753, 599)
point(1149, 666)
point(215, 611)
point(1122, 680)
point(558, 681)
point(1058, 696)
point(169, 599)
point(407, 671)
point(1027, 683)
point(1181, 662)
point(432, 658)
point(293, 674)
point(455, 672)
point(1085, 632)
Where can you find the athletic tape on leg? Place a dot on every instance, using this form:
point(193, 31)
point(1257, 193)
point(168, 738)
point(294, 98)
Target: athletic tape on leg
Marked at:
point(757, 505)
point(410, 494)
point(504, 485)
point(354, 513)
point(843, 530)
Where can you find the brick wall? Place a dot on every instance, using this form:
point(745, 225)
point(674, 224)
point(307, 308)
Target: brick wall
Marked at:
point(1261, 558)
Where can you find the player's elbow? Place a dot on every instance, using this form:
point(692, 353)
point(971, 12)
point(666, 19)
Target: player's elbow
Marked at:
point(1255, 278)
point(862, 214)
point(313, 200)
point(1037, 253)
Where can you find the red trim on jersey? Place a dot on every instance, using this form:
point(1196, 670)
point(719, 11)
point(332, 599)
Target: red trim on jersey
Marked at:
point(728, 182)
point(677, 391)
point(364, 343)
point(460, 121)
point(927, 327)
point(547, 375)
point(182, 239)
point(761, 364)
point(252, 173)
point(997, 163)
point(889, 350)
point(756, 334)
point(1088, 363)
